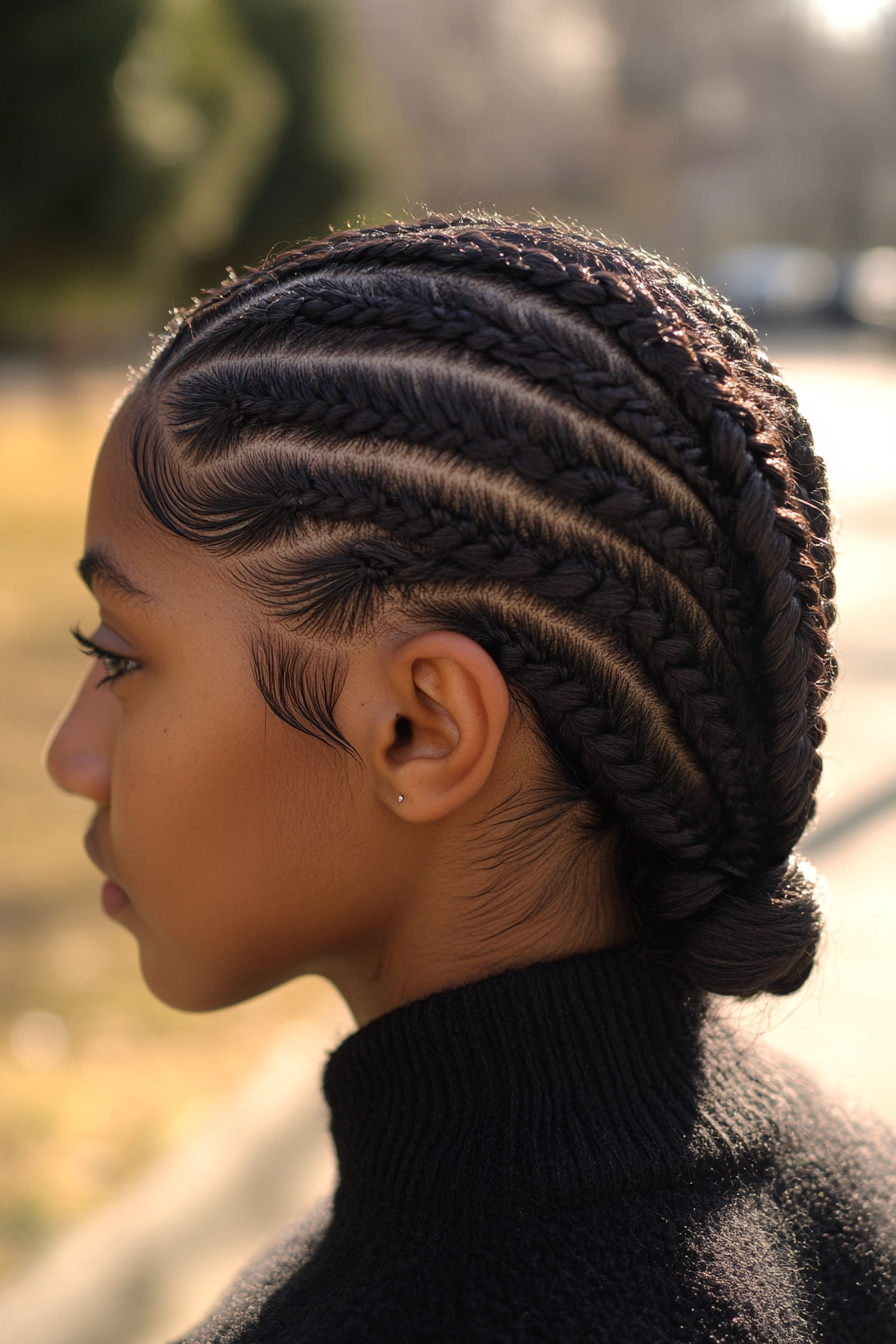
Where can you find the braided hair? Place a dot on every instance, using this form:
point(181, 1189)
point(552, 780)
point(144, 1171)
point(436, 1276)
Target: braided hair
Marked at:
point(578, 457)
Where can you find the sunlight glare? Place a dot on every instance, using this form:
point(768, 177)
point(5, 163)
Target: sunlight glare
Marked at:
point(850, 18)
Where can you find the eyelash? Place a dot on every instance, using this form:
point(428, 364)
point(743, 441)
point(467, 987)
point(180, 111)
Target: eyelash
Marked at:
point(116, 664)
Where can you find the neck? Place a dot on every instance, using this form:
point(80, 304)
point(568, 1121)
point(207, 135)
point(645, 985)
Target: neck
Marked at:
point(452, 933)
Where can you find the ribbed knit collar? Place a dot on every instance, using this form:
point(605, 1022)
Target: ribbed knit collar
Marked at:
point(562, 1080)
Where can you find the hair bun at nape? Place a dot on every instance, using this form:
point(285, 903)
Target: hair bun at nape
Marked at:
point(759, 935)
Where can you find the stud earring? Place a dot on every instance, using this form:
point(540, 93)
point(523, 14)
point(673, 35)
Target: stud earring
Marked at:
point(401, 797)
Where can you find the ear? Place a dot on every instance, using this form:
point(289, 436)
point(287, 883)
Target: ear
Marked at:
point(439, 726)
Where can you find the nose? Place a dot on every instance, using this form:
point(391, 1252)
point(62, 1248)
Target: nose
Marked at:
point(79, 750)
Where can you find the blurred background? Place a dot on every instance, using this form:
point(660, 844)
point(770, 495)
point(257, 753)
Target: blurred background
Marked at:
point(145, 147)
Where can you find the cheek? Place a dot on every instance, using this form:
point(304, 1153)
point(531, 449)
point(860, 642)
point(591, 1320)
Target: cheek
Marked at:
point(212, 824)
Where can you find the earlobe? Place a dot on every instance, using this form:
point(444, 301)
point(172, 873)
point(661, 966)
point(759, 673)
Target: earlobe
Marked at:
point(445, 738)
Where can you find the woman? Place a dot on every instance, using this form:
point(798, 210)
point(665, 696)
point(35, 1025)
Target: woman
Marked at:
point(465, 592)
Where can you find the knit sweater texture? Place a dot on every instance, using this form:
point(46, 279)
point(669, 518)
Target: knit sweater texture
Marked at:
point(575, 1152)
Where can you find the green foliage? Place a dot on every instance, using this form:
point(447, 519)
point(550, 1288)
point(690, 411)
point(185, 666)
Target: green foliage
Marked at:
point(59, 151)
point(143, 146)
point(311, 176)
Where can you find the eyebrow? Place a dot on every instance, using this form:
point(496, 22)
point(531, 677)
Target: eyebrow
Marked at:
point(99, 564)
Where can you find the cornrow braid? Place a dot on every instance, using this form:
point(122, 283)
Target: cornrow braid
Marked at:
point(443, 547)
point(576, 456)
point(566, 459)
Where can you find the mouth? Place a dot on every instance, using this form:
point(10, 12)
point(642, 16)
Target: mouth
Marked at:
point(113, 898)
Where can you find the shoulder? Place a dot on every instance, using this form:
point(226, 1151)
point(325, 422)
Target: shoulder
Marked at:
point(818, 1194)
point(790, 1117)
point(238, 1311)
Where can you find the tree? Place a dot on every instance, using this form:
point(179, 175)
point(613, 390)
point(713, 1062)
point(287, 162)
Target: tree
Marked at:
point(146, 145)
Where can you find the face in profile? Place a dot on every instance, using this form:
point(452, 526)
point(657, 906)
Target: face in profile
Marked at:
point(233, 846)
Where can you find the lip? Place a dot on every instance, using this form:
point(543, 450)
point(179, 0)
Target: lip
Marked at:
point(113, 898)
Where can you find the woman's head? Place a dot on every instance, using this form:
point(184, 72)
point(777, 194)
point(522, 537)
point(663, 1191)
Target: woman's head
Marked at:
point(568, 458)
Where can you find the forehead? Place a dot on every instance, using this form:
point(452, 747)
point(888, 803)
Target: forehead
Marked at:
point(114, 482)
point(126, 549)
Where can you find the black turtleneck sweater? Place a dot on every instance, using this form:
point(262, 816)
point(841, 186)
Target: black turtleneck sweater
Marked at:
point(576, 1152)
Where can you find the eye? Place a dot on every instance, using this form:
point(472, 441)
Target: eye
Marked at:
point(116, 664)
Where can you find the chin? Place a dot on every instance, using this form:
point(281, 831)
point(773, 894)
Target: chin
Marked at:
point(188, 992)
point(191, 990)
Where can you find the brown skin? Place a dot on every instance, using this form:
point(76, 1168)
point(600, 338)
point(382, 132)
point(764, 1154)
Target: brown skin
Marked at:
point(241, 852)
